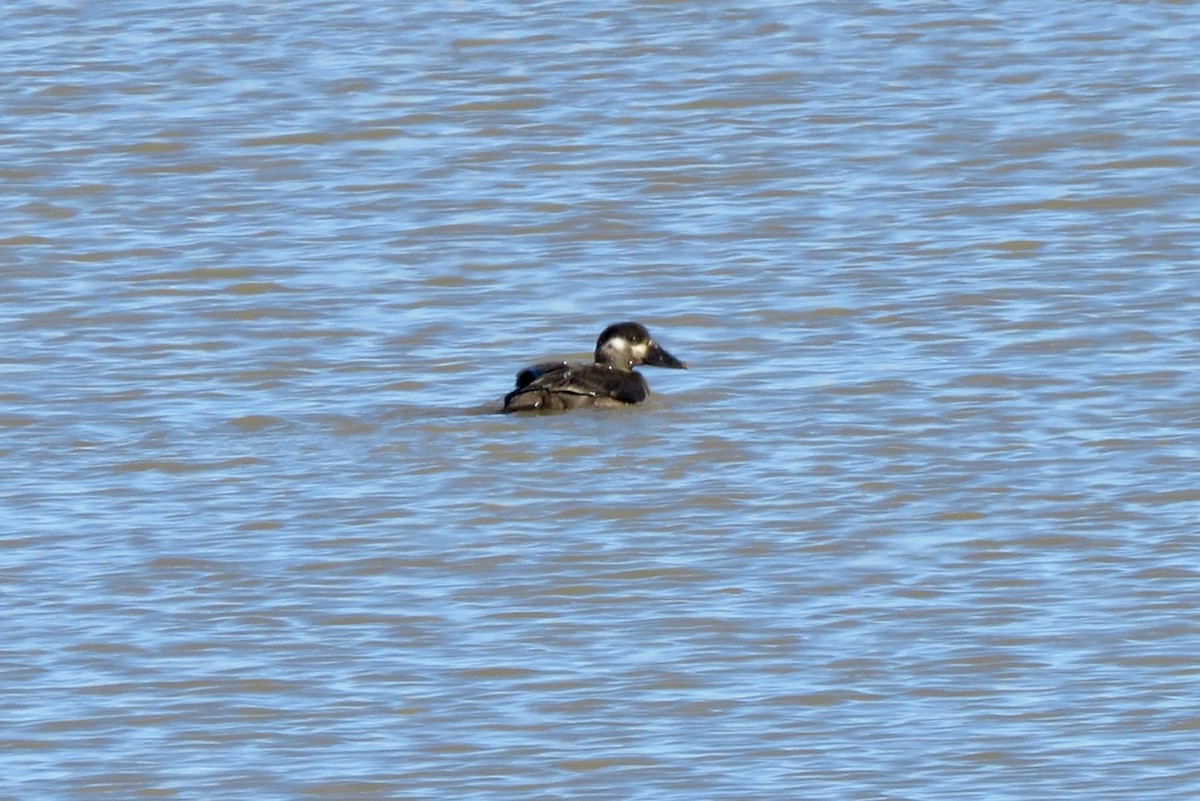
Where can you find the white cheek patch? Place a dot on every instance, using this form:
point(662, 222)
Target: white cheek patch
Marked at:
point(639, 350)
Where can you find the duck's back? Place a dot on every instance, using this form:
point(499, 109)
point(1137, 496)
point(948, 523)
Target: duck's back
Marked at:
point(556, 386)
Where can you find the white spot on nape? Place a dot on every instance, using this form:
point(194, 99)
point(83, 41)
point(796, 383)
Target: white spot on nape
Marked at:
point(616, 343)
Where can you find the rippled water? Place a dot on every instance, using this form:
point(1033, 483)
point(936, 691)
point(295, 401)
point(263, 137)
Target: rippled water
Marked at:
point(921, 522)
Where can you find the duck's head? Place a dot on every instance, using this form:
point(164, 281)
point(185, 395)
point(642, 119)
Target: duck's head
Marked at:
point(626, 345)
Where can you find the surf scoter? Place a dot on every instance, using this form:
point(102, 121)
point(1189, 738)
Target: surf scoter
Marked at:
point(611, 381)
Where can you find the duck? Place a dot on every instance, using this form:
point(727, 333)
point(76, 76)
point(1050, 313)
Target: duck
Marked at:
point(609, 382)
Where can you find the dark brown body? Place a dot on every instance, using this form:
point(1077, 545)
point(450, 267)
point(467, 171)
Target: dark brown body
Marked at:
point(557, 386)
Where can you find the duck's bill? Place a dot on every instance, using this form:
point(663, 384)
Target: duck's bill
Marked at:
point(658, 357)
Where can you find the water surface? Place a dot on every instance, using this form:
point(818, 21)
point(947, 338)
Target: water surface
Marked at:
point(920, 522)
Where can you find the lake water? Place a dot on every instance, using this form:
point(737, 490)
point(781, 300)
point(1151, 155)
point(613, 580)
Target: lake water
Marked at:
point(922, 521)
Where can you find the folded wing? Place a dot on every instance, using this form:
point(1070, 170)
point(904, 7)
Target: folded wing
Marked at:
point(553, 386)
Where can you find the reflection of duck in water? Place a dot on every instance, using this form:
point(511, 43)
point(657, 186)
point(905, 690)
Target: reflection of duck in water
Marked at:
point(611, 381)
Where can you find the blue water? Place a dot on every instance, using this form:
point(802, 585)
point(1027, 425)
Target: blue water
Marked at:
point(920, 522)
